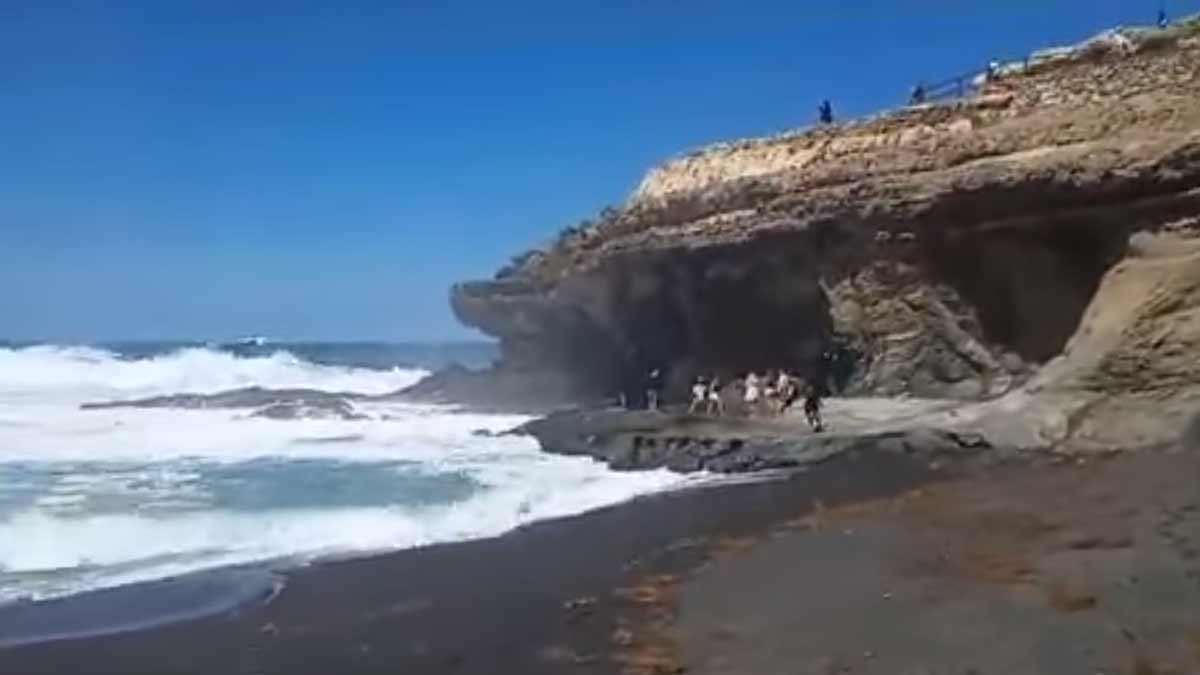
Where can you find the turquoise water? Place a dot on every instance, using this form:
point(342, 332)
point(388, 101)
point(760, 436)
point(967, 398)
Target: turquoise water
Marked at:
point(69, 489)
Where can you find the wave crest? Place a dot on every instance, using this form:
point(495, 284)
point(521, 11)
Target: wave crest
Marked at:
point(79, 373)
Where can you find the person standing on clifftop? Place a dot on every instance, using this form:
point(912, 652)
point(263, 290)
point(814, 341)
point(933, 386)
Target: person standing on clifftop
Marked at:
point(918, 95)
point(1162, 18)
point(991, 72)
point(825, 112)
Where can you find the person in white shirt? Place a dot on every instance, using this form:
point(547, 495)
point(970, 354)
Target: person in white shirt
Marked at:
point(699, 395)
point(716, 405)
point(753, 392)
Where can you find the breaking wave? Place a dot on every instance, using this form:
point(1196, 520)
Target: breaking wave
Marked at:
point(70, 373)
point(96, 498)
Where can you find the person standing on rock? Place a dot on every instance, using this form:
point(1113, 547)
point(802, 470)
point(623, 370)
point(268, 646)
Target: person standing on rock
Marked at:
point(699, 395)
point(812, 408)
point(716, 405)
point(791, 395)
point(783, 386)
point(654, 385)
point(753, 393)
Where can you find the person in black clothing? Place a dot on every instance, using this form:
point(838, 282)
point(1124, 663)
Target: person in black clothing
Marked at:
point(1162, 18)
point(812, 408)
point(825, 112)
point(918, 94)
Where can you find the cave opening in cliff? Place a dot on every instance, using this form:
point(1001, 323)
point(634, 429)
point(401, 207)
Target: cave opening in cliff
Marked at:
point(1029, 288)
point(960, 312)
point(731, 311)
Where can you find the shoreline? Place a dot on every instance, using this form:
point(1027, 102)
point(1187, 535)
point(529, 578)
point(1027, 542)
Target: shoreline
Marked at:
point(508, 593)
point(870, 560)
point(205, 592)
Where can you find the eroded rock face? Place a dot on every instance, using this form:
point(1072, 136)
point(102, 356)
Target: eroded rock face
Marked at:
point(1134, 363)
point(944, 250)
point(747, 307)
point(501, 389)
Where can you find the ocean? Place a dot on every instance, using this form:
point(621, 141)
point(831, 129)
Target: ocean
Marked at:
point(93, 499)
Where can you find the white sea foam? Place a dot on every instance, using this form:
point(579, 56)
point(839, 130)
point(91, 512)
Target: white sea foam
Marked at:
point(65, 374)
point(94, 498)
point(120, 548)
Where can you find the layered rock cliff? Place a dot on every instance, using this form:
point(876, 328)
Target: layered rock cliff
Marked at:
point(938, 250)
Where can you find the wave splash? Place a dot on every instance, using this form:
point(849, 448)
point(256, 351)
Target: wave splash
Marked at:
point(91, 499)
point(79, 373)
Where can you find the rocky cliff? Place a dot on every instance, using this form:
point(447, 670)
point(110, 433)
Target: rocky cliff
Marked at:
point(946, 250)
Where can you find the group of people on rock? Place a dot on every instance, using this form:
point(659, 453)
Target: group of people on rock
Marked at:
point(706, 397)
point(769, 393)
point(772, 393)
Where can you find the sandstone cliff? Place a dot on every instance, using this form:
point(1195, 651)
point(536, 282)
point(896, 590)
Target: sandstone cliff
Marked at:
point(947, 250)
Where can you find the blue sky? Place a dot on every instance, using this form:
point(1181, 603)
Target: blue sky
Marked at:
point(325, 170)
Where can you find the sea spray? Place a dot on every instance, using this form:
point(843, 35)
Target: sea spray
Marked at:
point(96, 498)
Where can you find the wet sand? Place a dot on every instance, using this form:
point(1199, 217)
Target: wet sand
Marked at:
point(547, 598)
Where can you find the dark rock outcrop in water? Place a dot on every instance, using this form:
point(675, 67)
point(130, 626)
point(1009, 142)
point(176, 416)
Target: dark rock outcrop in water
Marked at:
point(502, 389)
point(498, 390)
point(684, 443)
point(267, 403)
point(943, 250)
point(302, 409)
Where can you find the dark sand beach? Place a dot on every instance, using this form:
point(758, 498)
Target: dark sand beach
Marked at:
point(1079, 568)
point(543, 599)
point(863, 564)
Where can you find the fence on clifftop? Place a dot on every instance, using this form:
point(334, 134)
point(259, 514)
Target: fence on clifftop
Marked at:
point(954, 87)
point(968, 83)
point(960, 86)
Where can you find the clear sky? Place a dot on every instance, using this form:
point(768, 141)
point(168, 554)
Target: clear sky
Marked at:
point(325, 170)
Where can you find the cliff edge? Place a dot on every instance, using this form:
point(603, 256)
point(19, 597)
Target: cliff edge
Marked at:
point(1036, 238)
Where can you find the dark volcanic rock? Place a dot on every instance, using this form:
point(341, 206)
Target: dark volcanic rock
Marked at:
point(645, 440)
point(497, 389)
point(269, 403)
point(302, 409)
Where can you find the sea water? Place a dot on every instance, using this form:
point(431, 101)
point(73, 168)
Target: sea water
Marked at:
point(98, 498)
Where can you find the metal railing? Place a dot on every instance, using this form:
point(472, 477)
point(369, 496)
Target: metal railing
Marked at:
point(962, 85)
point(954, 87)
point(968, 83)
